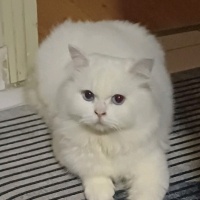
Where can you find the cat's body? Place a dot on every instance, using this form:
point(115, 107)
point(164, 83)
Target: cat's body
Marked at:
point(102, 137)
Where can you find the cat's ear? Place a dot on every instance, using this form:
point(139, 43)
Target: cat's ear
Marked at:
point(79, 59)
point(143, 68)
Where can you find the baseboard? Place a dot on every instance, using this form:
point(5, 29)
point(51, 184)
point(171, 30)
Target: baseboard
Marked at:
point(183, 59)
point(11, 98)
point(182, 50)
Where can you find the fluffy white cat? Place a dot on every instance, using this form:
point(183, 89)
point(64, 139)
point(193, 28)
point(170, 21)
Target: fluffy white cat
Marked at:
point(105, 92)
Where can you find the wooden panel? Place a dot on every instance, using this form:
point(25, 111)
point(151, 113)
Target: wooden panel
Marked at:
point(180, 40)
point(182, 50)
point(183, 59)
point(51, 12)
point(160, 15)
point(157, 15)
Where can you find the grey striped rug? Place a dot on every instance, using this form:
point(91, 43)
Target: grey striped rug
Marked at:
point(29, 171)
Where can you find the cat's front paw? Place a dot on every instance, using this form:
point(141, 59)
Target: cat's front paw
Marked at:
point(99, 188)
point(146, 196)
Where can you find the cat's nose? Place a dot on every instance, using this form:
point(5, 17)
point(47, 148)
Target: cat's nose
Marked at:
point(99, 114)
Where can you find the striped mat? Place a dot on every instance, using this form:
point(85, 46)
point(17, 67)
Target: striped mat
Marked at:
point(29, 171)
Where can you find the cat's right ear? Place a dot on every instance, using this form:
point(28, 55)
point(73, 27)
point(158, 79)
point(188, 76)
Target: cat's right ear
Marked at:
point(143, 68)
point(79, 59)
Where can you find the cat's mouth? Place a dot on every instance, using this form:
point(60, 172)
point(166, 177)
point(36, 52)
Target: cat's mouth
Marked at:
point(99, 125)
point(99, 121)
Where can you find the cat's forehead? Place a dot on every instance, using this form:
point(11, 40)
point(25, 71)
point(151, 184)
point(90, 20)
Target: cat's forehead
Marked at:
point(105, 81)
point(106, 76)
point(105, 60)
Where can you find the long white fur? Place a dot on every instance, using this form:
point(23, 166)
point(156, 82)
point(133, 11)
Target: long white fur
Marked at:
point(108, 58)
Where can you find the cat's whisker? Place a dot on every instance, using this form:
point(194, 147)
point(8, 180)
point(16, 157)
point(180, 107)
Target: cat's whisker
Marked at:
point(113, 124)
point(85, 120)
point(117, 129)
point(68, 127)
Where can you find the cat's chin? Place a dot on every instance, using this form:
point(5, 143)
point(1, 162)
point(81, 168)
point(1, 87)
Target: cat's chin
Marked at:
point(100, 128)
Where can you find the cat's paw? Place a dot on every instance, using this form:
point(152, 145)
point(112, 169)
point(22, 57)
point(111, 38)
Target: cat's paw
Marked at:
point(145, 196)
point(99, 189)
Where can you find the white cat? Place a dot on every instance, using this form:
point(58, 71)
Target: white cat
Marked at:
point(105, 92)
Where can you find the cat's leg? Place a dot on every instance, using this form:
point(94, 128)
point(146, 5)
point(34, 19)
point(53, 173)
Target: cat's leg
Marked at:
point(95, 187)
point(97, 183)
point(98, 188)
point(150, 178)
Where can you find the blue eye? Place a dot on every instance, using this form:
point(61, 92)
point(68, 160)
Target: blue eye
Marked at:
point(118, 99)
point(88, 95)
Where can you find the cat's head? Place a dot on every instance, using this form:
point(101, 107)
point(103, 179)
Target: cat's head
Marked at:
point(108, 93)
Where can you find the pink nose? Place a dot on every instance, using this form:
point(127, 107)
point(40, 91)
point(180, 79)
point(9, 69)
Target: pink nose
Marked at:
point(99, 114)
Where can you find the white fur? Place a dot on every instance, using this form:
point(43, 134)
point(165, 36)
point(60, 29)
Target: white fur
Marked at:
point(114, 58)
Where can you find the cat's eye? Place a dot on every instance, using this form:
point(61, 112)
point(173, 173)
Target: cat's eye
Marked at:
point(118, 99)
point(88, 95)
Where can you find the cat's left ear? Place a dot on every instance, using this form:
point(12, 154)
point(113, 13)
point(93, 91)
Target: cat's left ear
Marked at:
point(143, 68)
point(79, 59)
